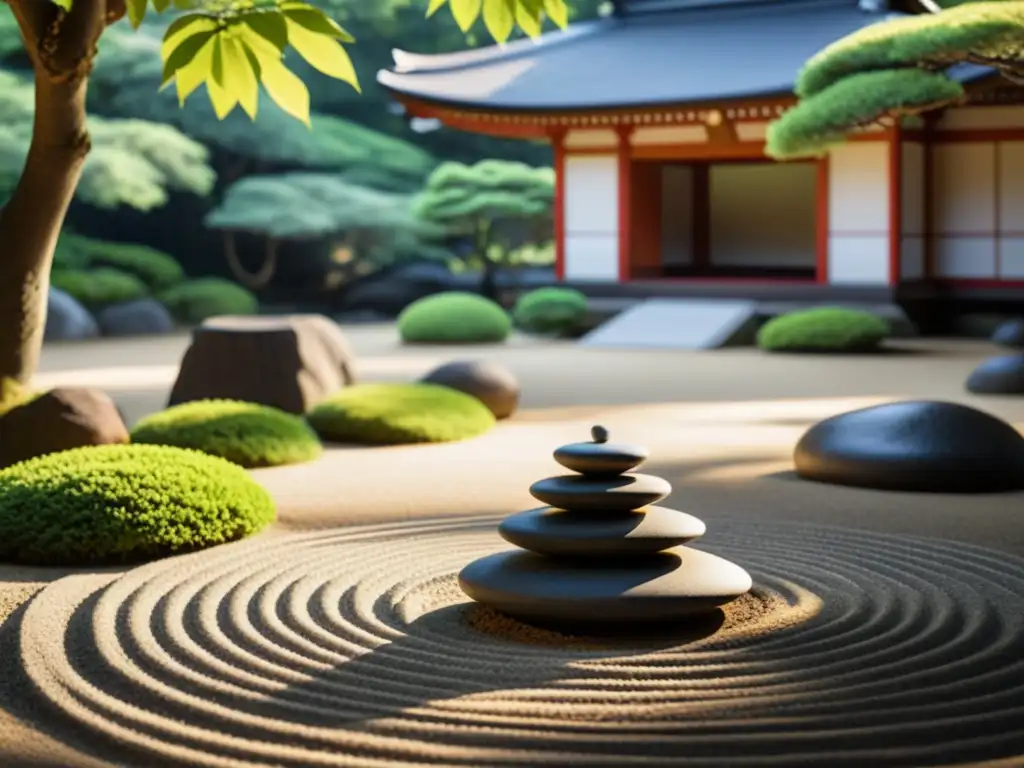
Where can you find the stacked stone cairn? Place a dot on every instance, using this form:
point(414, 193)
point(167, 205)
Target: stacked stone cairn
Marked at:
point(600, 555)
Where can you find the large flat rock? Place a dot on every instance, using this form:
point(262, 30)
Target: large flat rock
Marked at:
point(676, 324)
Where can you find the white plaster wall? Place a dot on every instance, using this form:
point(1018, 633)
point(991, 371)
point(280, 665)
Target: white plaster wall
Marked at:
point(1011, 258)
point(967, 118)
point(677, 214)
point(858, 213)
point(964, 209)
point(591, 217)
point(763, 214)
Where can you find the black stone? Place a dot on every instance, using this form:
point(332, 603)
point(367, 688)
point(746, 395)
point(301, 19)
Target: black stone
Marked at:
point(660, 589)
point(1010, 334)
point(557, 533)
point(1002, 375)
point(600, 459)
point(595, 494)
point(927, 446)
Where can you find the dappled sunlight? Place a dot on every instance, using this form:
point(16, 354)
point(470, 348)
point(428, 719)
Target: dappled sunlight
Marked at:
point(112, 378)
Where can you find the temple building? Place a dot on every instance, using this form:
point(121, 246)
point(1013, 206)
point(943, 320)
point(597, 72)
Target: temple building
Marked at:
point(657, 115)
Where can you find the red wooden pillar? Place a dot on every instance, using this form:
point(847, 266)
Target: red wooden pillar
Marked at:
point(895, 203)
point(558, 145)
point(625, 166)
point(821, 222)
point(645, 220)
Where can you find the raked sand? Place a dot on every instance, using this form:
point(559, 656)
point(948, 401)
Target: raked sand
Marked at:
point(884, 628)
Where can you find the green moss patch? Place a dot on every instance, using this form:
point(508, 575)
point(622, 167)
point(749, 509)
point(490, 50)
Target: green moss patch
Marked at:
point(551, 311)
point(246, 434)
point(824, 329)
point(393, 414)
point(454, 317)
point(193, 301)
point(123, 504)
point(100, 286)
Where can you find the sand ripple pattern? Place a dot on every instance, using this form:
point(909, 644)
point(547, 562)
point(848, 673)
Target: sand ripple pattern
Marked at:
point(354, 647)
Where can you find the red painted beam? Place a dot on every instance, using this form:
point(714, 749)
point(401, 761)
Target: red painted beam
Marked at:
point(558, 146)
point(625, 166)
point(895, 204)
point(821, 222)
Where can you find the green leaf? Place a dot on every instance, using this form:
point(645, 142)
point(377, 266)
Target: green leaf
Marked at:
point(465, 12)
point(323, 53)
point(269, 25)
point(500, 18)
point(65, 4)
point(161, 5)
point(239, 75)
point(529, 16)
point(285, 88)
point(185, 53)
point(435, 6)
point(194, 73)
point(558, 12)
point(136, 12)
point(315, 20)
point(183, 27)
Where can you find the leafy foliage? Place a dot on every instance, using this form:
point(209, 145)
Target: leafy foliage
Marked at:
point(99, 287)
point(823, 329)
point(155, 269)
point(894, 68)
point(553, 311)
point(246, 434)
point(394, 414)
point(193, 301)
point(453, 317)
point(124, 503)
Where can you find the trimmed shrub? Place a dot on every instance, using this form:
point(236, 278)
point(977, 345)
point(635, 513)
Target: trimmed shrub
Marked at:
point(246, 434)
point(124, 504)
point(155, 269)
point(453, 317)
point(193, 301)
point(99, 287)
point(824, 329)
point(551, 311)
point(393, 414)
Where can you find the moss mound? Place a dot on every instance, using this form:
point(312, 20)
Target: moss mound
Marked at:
point(157, 270)
point(824, 329)
point(193, 301)
point(453, 317)
point(551, 311)
point(246, 434)
point(123, 504)
point(100, 286)
point(393, 414)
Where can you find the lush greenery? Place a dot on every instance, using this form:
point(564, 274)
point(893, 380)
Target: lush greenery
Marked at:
point(551, 311)
point(824, 329)
point(246, 434)
point(99, 287)
point(124, 503)
point(155, 269)
point(453, 317)
point(895, 69)
point(393, 414)
point(193, 301)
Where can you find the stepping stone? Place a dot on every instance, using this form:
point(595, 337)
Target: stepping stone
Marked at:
point(598, 494)
point(1002, 375)
point(556, 532)
point(1010, 334)
point(919, 445)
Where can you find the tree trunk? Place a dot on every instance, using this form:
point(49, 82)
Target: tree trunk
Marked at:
point(61, 47)
point(259, 279)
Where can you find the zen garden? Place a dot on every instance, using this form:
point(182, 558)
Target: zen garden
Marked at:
point(511, 383)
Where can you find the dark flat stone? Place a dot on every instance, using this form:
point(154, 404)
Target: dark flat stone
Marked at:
point(600, 459)
point(918, 445)
point(667, 586)
point(555, 532)
point(593, 494)
point(1002, 375)
point(1010, 334)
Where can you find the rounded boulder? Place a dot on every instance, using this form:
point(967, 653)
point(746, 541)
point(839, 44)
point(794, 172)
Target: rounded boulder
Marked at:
point(67, 319)
point(1010, 334)
point(918, 445)
point(1002, 375)
point(492, 384)
point(141, 317)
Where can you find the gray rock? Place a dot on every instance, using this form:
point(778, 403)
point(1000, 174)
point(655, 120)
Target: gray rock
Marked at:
point(662, 588)
point(920, 445)
point(998, 376)
point(595, 494)
point(600, 458)
point(140, 317)
point(66, 319)
point(557, 533)
point(1010, 334)
point(490, 383)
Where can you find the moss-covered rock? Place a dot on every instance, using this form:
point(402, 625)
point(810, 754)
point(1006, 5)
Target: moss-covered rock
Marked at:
point(824, 329)
point(99, 287)
point(393, 414)
point(454, 317)
point(551, 311)
point(246, 434)
point(124, 503)
point(193, 301)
